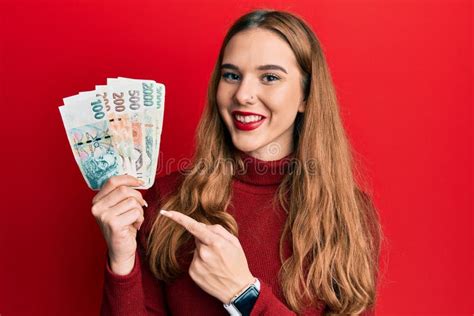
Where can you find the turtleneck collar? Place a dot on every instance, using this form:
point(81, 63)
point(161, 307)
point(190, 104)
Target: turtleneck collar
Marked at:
point(263, 173)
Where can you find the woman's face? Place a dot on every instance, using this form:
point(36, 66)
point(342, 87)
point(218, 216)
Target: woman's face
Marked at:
point(260, 93)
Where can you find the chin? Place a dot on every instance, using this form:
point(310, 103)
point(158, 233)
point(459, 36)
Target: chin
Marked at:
point(245, 146)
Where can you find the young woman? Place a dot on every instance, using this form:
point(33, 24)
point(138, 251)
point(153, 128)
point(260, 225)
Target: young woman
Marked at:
point(269, 219)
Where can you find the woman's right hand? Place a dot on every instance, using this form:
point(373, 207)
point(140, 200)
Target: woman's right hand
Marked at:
point(117, 207)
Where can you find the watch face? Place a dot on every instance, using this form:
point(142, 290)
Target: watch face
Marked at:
point(245, 301)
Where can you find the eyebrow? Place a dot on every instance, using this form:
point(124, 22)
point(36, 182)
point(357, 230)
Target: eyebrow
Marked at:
point(263, 67)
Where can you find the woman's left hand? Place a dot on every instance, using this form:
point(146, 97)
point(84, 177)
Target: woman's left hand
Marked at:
point(219, 264)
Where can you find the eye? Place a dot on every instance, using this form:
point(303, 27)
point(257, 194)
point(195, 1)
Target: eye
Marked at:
point(230, 76)
point(270, 77)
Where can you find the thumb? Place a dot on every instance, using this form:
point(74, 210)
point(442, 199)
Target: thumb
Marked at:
point(138, 223)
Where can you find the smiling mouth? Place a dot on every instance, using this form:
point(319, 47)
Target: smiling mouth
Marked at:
point(246, 121)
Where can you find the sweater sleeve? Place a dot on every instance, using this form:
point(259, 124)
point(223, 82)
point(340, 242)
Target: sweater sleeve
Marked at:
point(139, 292)
point(268, 304)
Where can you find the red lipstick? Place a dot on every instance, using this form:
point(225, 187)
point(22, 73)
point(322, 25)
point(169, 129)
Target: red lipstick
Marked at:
point(249, 126)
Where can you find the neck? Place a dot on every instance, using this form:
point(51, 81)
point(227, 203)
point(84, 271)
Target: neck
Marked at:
point(271, 152)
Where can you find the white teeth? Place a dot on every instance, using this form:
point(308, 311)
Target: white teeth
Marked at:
point(248, 118)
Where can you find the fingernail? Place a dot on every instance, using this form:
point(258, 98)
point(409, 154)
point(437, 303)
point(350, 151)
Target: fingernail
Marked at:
point(145, 203)
point(165, 213)
point(141, 182)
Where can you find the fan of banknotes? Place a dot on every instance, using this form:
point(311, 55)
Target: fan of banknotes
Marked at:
point(116, 129)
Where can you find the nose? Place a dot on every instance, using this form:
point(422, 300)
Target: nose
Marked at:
point(246, 92)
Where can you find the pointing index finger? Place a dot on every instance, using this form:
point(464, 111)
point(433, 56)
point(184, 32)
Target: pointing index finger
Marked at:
point(197, 229)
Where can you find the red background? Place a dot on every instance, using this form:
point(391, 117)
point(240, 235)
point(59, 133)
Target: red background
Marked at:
point(403, 73)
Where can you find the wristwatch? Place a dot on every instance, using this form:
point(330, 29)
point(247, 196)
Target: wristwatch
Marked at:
point(242, 303)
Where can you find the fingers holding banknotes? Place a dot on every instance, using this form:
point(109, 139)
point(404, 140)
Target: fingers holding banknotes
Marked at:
point(118, 209)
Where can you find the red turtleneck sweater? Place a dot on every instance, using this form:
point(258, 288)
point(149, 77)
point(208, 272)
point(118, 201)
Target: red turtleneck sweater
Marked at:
point(260, 228)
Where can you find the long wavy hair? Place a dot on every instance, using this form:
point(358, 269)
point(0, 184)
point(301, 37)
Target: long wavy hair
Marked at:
point(332, 224)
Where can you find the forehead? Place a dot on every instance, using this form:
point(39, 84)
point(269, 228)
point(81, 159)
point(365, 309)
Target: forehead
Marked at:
point(254, 47)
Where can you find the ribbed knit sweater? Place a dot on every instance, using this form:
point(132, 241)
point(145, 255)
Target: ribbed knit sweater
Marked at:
point(260, 225)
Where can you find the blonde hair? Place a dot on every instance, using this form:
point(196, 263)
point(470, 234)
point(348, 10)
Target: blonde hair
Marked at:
point(335, 258)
